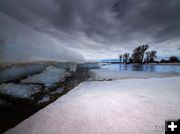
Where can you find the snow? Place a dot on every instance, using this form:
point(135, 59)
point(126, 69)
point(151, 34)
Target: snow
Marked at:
point(126, 106)
point(50, 75)
point(18, 90)
point(20, 43)
point(104, 74)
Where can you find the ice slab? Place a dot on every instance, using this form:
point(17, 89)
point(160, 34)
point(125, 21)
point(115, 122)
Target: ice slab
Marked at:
point(51, 75)
point(19, 90)
point(19, 72)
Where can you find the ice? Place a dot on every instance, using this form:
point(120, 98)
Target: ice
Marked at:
point(104, 74)
point(129, 106)
point(23, 70)
point(51, 75)
point(90, 65)
point(18, 90)
point(18, 72)
point(20, 43)
point(44, 99)
point(73, 68)
point(58, 91)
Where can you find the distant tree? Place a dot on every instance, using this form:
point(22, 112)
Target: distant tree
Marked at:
point(163, 61)
point(173, 59)
point(147, 56)
point(138, 53)
point(126, 56)
point(150, 56)
point(120, 58)
point(131, 59)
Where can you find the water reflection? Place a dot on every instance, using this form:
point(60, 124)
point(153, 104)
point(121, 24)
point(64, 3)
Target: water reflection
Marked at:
point(145, 67)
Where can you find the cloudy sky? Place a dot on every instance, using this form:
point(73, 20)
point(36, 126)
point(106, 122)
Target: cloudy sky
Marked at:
point(101, 29)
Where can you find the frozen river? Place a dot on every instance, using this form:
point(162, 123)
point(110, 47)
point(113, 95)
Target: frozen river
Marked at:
point(146, 67)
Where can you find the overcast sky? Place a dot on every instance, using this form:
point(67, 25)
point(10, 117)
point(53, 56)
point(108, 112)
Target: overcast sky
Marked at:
point(101, 29)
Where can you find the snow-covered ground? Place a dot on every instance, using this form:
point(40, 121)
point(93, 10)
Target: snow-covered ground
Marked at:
point(19, 90)
point(125, 106)
point(51, 75)
point(104, 74)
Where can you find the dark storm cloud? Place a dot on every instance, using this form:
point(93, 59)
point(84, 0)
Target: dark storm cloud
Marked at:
point(121, 18)
point(93, 24)
point(106, 18)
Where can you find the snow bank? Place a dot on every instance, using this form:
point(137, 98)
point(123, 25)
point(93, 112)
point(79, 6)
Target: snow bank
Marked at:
point(50, 75)
point(133, 106)
point(19, 91)
point(103, 74)
point(20, 43)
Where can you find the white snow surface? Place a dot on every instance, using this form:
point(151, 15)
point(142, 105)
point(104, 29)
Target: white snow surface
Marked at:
point(50, 75)
point(125, 106)
point(18, 90)
point(20, 43)
point(104, 74)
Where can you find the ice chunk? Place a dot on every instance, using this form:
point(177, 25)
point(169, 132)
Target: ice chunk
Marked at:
point(45, 99)
point(73, 68)
point(66, 65)
point(18, 72)
point(18, 90)
point(58, 91)
point(50, 75)
point(104, 74)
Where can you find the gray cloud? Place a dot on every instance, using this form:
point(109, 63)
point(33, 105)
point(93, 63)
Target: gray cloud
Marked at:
point(93, 25)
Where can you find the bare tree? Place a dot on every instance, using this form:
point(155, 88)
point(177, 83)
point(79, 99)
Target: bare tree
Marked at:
point(120, 58)
point(138, 53)
point(147, 56)
point(126, 56)
point(150, 56)
point(131, 59)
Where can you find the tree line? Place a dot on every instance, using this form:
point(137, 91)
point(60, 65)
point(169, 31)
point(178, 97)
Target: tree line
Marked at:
point(141, 55)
